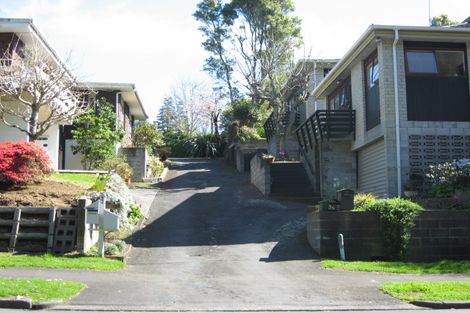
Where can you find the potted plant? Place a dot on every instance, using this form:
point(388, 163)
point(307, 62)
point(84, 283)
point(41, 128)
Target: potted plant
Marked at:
point(268, 157)
point(282, 156)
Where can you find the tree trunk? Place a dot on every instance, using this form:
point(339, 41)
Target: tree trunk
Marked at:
point(33, 125)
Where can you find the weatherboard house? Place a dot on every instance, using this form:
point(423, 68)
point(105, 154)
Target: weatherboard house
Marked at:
point(23, 33)
point(129, 112)
point(58, 139)
point(397, 102)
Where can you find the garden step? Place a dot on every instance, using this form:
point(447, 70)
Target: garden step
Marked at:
point(289, 181)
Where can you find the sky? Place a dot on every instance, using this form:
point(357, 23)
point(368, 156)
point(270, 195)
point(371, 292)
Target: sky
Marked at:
point(155, 43)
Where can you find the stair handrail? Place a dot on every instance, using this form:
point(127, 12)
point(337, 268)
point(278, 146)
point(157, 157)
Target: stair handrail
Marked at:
point(305, 156)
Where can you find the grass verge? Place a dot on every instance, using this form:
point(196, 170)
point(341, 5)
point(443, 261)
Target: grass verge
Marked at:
point(441, 267)
point(39, 290)
point(429, 291)
point(66, 262)
point(78, 178)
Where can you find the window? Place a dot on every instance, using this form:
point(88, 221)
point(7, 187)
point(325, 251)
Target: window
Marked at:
point(340, 99)
point(438, 62)
point(421, 62)
point(437, 86)
point(372, 75)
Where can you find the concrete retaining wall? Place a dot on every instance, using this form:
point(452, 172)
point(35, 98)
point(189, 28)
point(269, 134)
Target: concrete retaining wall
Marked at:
point(260, 174)
point(137, 158)
point(244, 152)
point(437, 235)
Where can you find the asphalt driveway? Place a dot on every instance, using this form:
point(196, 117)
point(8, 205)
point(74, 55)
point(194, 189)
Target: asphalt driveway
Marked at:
point(213, 242)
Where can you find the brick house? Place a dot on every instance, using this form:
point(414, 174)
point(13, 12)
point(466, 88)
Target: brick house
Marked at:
point(397, 102)
point(129, 110)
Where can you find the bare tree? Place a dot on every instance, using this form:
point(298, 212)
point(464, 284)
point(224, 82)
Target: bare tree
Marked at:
point(36, 90)
point(189, 95)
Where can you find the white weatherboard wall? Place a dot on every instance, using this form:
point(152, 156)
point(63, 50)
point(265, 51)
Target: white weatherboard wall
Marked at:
point(8, 133)
point(72, 161)
point(50, 142)
point(372, 169)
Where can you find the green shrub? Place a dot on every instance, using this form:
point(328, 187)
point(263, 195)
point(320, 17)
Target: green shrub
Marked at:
point(119, 166)
point(155, 167)
point(164, 153)
point(361, 199)
point(100, 183)
point(248, 134)
point(205, 146)
point(261, 132)
point(134, 214)
point(111, 249)
point(396, 218)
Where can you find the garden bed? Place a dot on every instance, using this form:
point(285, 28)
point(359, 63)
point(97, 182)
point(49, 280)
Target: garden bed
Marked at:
point(437, 235)
point(48, 193)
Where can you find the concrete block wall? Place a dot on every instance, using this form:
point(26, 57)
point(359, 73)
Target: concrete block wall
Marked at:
point(438, 235)
point(290, 145)
point(137, 158)
point(337, 166)
point(260, 174)
point(245, 151)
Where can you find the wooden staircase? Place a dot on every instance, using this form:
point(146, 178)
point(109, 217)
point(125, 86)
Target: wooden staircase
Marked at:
point(289, 181)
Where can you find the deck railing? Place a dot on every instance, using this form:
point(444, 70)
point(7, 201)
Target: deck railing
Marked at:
point(325, 125)
point(270, 126)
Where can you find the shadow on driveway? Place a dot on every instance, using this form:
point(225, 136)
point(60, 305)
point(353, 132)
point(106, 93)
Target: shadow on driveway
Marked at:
point(204, 205)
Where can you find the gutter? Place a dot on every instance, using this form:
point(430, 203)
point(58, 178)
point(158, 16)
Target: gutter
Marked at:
point(397, 112)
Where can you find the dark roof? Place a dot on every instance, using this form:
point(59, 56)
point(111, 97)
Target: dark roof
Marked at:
point(466, 23)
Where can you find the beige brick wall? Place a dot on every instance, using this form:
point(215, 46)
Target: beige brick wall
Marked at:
point(387, 103)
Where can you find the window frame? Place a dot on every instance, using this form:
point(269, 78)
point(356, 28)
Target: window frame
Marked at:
point(433, 50)
point(337, 92)
point(374, 56)
point(433, 47)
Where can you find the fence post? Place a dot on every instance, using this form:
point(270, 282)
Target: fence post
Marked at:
point(14, 229)
point(81, 223)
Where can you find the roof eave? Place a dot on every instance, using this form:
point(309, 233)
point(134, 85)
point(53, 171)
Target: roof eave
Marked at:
point(367, 37)
point(344, 62)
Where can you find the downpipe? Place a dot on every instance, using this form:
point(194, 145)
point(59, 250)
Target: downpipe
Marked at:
point(397, 113)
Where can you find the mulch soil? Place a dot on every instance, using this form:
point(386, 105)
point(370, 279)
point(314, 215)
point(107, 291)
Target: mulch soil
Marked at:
point(47, 193)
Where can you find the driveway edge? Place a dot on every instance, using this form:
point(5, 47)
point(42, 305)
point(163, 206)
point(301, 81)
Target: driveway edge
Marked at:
point(441, 305)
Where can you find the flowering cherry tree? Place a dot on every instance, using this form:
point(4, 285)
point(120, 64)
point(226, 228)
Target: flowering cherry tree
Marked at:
point(36, 91)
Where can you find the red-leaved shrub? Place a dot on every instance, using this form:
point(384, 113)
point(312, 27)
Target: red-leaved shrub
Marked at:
point(22, 162)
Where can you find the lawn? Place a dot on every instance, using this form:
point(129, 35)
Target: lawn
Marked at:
point(67, 262)
point(441, 267)
point(39, 290)
point(78, 178)
point(429, 291)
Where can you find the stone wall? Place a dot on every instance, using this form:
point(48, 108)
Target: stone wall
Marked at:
point(137, 158)
point(244, 152)
point(437, 235)
point(260, 174)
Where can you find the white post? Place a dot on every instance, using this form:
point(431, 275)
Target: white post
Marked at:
point(101, 206)
point(341, 247)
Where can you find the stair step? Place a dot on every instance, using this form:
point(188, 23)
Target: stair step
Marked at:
point(290, 181)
